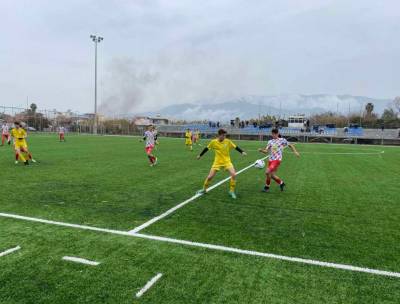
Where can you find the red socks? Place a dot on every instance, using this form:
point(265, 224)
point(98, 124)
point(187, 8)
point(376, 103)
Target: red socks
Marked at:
point(276, 179)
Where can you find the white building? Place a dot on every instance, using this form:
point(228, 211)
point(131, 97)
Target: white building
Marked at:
point(297, 121)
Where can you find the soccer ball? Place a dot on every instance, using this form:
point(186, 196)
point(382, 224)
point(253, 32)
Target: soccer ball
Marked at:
point(259, 164)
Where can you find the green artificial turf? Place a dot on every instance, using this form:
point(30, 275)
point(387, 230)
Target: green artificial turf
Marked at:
point(341, 208)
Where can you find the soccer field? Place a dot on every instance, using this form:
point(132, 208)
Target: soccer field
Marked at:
point(333, 235)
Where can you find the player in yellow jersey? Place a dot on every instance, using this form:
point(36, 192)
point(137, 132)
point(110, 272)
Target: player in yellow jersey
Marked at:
point(188, 139)
point(20, 145)
point(222, 160)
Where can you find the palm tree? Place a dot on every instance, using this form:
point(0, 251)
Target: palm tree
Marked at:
point(33, 108)
point(369, 108)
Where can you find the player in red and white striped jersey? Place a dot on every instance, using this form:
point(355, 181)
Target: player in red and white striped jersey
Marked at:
point(61, 133)
point(5, 134)
point(150, 136)
point(275, 149)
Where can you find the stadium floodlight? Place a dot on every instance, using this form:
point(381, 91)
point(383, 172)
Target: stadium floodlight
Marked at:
point(96, 40)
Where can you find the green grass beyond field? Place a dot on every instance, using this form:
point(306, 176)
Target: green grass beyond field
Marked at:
point(341, 205)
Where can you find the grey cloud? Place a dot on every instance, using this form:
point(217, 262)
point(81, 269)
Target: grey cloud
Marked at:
point(196, 50)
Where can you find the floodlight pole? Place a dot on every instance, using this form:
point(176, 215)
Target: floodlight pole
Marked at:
point(96, 40)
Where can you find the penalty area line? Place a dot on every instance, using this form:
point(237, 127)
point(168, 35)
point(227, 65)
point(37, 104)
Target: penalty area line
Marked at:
point(80, 260)
point(213, 247)
point(8, 251)
point(148, 285)
point(272, 256)
point(173, 209)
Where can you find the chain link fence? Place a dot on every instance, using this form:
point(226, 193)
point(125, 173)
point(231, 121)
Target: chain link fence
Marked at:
point(74, 122)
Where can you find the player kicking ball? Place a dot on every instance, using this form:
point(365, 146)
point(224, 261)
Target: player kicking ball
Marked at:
point(20, 144)
point(275, 148)
point(150, 137)
point(222, 160)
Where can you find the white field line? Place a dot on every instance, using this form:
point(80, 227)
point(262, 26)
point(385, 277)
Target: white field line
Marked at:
point(80, 260)
point(84, 227)
point(343, 153)
point(347, 145)
point(8, 251)
point(247, 140)
point(173, 209)
point(334, 153)
point(208, 139)
point(272, 256)
point(211, 246)
point(148, 285)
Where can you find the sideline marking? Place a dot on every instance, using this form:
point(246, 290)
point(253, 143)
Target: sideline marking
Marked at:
point(148, 285)
point(173, 209)
point(213, 247)
point(8, 251)
point(80, 260)
point(334, 153)
point(344, 153)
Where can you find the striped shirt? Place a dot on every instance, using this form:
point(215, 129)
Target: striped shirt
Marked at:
point(149, 137)
point(276, 147)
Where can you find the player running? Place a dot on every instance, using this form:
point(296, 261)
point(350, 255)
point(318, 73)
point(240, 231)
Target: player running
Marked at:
point(20, 144)
point(188, 139)
point(61, 133)
point(222, 160)
point(5, 134)
point(275, 148)
point(150, 138)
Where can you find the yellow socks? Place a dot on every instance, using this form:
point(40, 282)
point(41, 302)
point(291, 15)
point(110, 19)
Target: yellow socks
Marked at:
point(21, 157)
point(232, 185)
point(206, 183)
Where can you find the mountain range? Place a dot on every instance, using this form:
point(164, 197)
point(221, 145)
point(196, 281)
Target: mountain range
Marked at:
point(282, 105)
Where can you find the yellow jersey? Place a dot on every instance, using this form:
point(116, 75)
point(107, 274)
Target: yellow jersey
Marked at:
point(222, 150)
point(18, 134)
point(197, 134)
point(188, 136)
point(19, 137)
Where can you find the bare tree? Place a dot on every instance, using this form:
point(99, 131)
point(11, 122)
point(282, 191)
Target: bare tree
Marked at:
point(396, 103)
point(389, 115)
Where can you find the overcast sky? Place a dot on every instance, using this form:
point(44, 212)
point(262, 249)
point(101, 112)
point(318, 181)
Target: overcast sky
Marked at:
point(161, 52)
